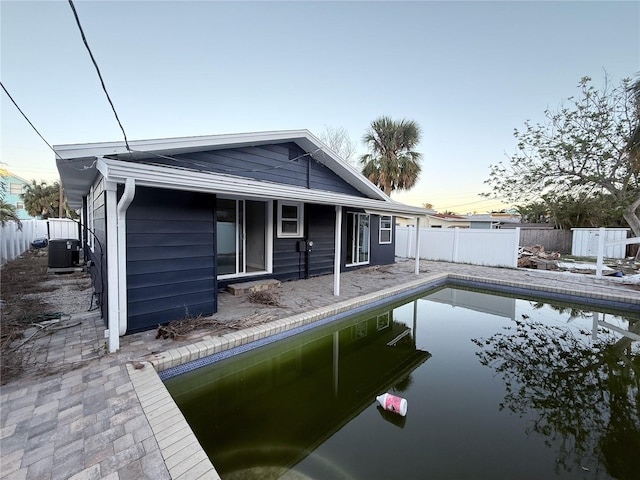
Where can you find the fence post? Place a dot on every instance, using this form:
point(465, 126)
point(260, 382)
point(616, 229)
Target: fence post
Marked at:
point(600, 260)
point(3, 244)
point(456, 239)
point(408, 251)
point(516, 247)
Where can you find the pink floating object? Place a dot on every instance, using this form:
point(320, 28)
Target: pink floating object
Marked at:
point(392, 403)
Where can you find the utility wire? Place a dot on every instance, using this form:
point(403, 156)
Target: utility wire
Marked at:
point(29, 121)
point(95, 64)
point(226, 170)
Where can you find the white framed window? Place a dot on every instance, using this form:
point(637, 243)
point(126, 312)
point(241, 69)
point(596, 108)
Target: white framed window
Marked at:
point(15, 188)
point(19, 206)
point(385, 234)
point(290, 219)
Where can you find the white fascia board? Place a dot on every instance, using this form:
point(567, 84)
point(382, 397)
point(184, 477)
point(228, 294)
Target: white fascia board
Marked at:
point(176, 179)
point(179, 144)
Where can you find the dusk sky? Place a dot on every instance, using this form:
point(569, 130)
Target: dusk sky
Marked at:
point(467, 72)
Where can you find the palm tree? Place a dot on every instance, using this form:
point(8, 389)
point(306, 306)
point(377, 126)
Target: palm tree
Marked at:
point(8, 213)
point(392, 163)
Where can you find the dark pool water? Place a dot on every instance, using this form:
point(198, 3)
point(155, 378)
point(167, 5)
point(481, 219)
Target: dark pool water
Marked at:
point(497, 388)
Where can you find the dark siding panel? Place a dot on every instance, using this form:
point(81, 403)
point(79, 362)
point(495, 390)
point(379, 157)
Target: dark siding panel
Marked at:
point(288, 264)
point(384, 254)
point(98, 257)
point(323, 178)
point(170, 257)
point(281, 163)
point(271, 163)
point(322, 219)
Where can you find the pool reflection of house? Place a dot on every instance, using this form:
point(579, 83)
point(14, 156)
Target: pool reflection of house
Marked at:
point(275, 405)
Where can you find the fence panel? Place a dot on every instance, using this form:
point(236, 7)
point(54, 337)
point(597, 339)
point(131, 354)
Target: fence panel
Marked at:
point(552, 240)
point(585, 242)
point(63, 228)
point(14, 241)
point(479, 247)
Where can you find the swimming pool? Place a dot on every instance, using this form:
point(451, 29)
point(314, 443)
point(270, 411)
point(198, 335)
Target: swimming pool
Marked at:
point(497, 387)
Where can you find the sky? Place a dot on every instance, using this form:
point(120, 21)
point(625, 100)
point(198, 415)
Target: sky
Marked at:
point(467, 72)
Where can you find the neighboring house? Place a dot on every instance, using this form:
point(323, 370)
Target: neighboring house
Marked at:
point(13, 187)
point(445, 220)
point(172, 221)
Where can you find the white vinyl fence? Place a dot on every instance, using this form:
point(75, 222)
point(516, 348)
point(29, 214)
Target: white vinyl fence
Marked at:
point(495, 248)
point(586, 241)
point(63, 228)
point(14, 242)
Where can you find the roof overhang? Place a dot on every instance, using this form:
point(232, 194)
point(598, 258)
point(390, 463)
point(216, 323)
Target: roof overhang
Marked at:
point(157, 176)
point(76, 163)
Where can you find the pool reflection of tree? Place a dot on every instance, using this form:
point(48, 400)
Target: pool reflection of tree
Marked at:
point(584, 396)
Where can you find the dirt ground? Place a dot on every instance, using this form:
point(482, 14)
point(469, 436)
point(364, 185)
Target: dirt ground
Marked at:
point(30, 297)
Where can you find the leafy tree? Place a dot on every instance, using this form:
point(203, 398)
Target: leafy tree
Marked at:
point(43, 200)
point(392, 163)
point(583, 210)
point(8, 213)
point(582, 148)
point(533, 212)
point(338, 140)
point(427, 205)
point(584, 396)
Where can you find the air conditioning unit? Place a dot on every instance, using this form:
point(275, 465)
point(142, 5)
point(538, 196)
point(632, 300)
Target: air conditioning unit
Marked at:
point(64, 253)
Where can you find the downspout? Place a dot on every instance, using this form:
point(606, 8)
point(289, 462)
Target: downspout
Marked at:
point(123, 205)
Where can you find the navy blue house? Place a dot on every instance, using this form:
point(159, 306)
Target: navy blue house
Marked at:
point(170, 222)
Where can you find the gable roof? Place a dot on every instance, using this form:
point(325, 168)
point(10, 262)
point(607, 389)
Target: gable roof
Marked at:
point(79, 165)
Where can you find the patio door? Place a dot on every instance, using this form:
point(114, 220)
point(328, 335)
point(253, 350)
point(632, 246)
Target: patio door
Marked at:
point(358, 238)
point(242, 228)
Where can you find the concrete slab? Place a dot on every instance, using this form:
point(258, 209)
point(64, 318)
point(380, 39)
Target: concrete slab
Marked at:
point(91, 414)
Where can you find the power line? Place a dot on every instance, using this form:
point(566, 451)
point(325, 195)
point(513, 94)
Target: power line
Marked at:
point(95, 64)
point(197, 163)
point(28, 121)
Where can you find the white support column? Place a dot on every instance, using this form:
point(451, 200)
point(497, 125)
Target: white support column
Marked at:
point(337, 251)
point(336, 362)
point(415, 322)
point(417, 266)
point(112, 266)
point(516, 248)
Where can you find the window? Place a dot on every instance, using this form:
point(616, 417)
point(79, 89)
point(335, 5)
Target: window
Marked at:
point(15, 188)
point(385, 229)
point(290, 219)
point(19, 206)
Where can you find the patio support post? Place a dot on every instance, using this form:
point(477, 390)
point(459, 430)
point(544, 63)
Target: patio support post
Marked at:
point(337, 251)
point(417, 267)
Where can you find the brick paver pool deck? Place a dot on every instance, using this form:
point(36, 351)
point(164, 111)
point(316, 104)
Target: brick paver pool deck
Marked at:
point(101, 416)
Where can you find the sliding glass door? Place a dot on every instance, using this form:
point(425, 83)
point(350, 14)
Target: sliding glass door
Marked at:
point(242, 237)
point(358, 238)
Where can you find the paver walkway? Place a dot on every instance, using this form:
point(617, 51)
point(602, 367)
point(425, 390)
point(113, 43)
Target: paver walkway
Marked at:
point(85, 419)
